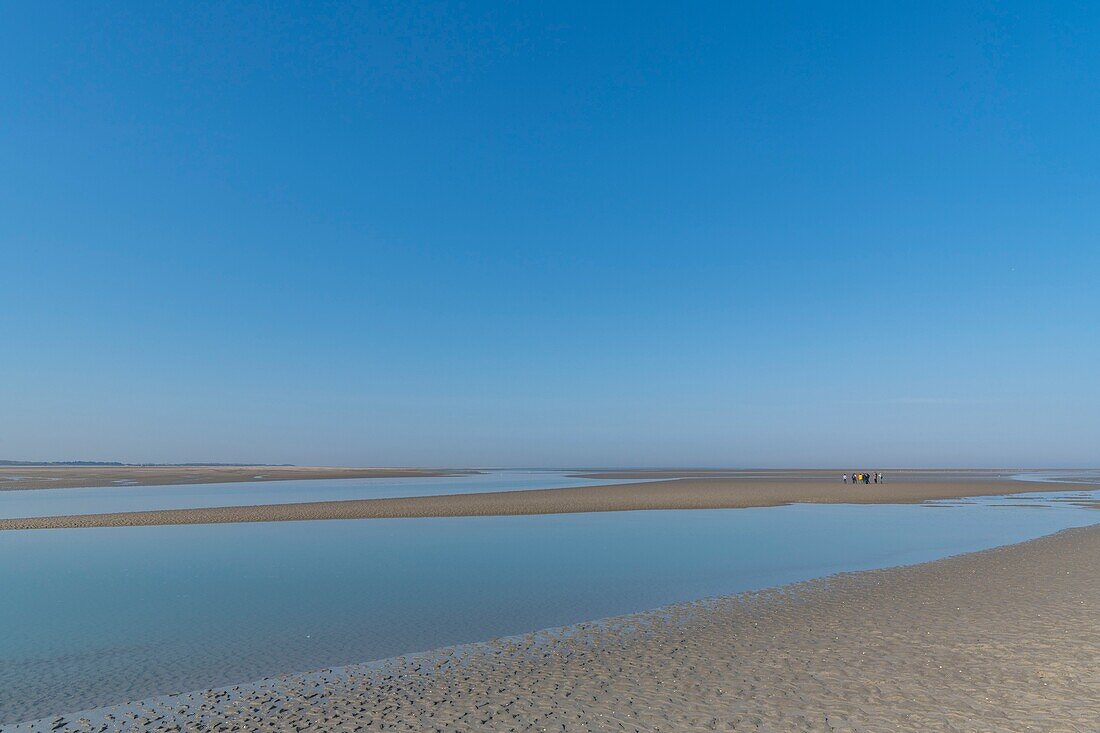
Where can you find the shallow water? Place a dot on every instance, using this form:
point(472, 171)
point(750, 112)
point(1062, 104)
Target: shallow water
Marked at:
point(126, 497)
point(1089, 476)
point(129, 498)
point(98, 616)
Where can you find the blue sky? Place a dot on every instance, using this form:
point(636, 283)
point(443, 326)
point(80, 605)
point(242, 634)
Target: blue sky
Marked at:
point(551, 234)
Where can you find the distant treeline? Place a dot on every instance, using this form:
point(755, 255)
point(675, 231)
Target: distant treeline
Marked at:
point(136, 465)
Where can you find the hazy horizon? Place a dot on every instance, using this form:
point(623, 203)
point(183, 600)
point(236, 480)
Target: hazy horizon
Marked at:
point(567, 467)
point(415, 234)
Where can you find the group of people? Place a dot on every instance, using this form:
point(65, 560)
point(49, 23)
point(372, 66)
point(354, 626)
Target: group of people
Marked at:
point(866, 478)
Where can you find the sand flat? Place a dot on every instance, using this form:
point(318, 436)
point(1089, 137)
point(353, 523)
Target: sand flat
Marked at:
point(1001, 640)
point(13, 478)
point(694, 493)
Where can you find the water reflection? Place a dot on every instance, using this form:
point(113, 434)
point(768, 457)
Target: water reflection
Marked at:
point(97, 616)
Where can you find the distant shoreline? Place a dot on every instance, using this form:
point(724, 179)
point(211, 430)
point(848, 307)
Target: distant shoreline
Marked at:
point(123, 464)
point(691, 493)
point(89, 476)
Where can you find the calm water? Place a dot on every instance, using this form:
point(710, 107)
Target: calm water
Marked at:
point(1065, 476)
point(98, 616)
point(124, 498)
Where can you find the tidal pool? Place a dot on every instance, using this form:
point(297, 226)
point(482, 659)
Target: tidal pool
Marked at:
point(130, 498)
point(91, 617)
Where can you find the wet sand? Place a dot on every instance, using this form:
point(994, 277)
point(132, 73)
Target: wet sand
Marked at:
point(816, 474)
point(1001, 640)
point(14, 478)
point(698, 493)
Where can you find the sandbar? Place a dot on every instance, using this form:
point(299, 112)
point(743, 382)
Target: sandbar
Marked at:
point(17, 478)
point(692, 493)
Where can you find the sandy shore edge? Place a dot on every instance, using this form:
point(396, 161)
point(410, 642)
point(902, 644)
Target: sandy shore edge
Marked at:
point(706, 493)
point(1002, 639)
point(18, 478)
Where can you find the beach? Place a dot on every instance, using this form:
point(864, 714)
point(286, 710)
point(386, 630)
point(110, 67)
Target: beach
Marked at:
point(999, 640)
point(549, 367)
point(16, 477)
point(687, 493)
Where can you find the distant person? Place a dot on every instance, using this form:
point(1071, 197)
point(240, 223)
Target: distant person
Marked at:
point(876, 476)
point(845, 477)
point(866, 478)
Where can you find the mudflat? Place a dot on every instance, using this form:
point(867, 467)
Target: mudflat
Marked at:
point(68, 477)
point(1001, 640)
point(692, 493)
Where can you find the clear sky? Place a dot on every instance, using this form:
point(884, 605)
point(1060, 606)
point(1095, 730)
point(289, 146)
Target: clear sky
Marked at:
point(850, 234)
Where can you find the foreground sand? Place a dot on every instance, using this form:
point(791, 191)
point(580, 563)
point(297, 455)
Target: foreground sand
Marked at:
point(1002, 640)
point(68, 477)
point(701, 493)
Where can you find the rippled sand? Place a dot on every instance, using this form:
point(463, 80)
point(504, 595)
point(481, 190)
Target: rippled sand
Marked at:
point(1002, 640)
